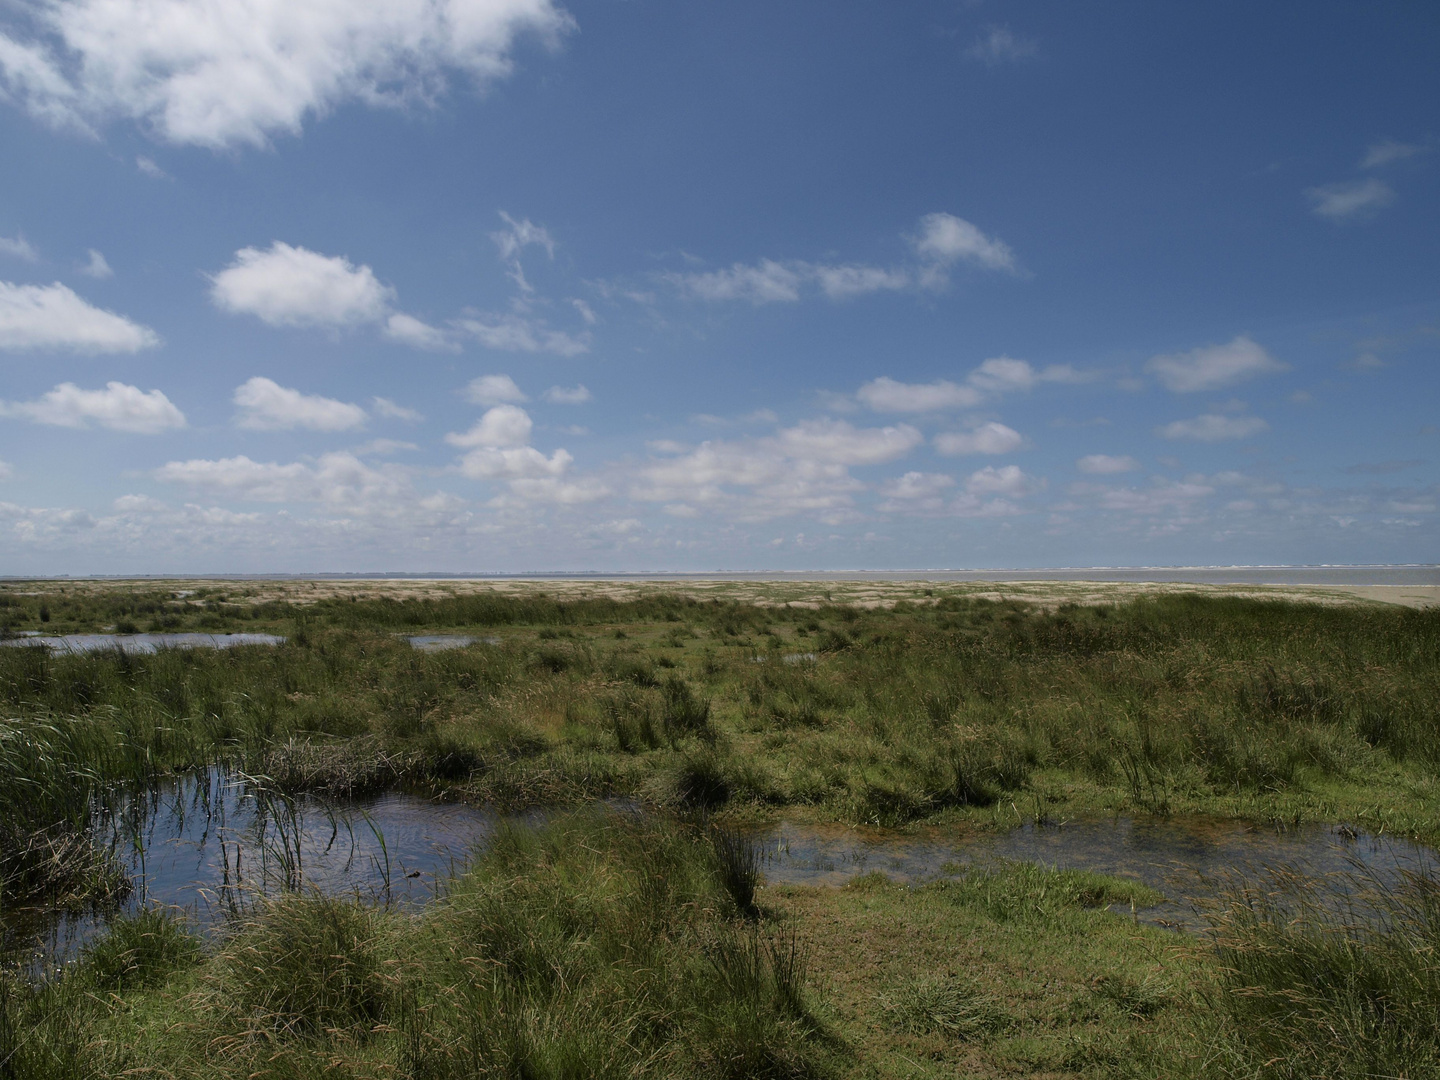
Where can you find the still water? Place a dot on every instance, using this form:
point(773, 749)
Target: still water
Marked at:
point(140, 643)
point(211, 844)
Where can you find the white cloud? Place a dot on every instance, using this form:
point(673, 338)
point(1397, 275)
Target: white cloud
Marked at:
point(408, 330)
point(838, 442)
point(518, 235)
point(293, 286)
point(1001, 480)
point(567, 395)
point(887, 395)
point(235, 72)
point(383, 447)
point(1162, 496)
point(150, 169)
point(504, 425)
point(340, 479)
point(843, 282)
point(997, 375)
point(118, 407)
point(97, 267)
point(1106, 464)
point(915, 491)
point(1213, 366)
point(802, 469)
point(391, 411)
point(264, 405)
point(513, 463)
point(498, 445)
point(1213, 428)
point(17, 247)
point(1351, 199)
point(988, 438)
point(494, 390)
point(550, 489)
point(586, 311)
point(53, 317)
point(999, 45)
point(766, 282)
point(516, 333)
point(1389, 151)
point(6, 470)
point(945, 238)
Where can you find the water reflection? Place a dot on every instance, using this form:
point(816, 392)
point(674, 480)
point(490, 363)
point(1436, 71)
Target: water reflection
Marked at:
point(140, 643)
point(445, 642)
point(1183, 858)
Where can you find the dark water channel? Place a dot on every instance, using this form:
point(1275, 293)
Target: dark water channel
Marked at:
point(210, 845)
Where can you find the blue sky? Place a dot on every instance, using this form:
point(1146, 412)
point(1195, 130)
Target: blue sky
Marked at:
point(471, 285)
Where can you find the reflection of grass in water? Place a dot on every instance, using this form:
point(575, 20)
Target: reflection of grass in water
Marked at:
point(600, 945)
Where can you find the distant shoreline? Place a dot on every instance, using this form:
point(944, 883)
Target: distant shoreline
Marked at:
point(1399, 575)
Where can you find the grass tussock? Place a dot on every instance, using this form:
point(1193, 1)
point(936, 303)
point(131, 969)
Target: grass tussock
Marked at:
point(600, 945)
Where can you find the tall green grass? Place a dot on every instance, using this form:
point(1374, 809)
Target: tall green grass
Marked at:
point(600, 945)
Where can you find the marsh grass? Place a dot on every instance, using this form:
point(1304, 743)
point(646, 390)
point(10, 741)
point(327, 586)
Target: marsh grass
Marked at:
point(602, 944)
point(1339, 983)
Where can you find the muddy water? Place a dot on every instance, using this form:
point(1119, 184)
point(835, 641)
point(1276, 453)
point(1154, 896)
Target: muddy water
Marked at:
point(1185, 859)
point(211, 845)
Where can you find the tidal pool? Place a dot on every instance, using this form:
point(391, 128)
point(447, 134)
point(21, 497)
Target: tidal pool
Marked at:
point(140, 643)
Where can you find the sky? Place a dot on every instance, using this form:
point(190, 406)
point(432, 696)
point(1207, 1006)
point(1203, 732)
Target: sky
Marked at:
point(516, 285)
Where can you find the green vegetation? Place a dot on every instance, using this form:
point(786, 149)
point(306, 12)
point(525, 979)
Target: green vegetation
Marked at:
point(640, 946)
point(603, 945)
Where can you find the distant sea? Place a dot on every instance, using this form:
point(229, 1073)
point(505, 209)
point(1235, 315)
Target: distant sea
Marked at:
point(1409, 574)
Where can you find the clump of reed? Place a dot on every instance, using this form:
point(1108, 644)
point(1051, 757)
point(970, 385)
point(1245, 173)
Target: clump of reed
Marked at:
point(602, 944)
point(1342, 983)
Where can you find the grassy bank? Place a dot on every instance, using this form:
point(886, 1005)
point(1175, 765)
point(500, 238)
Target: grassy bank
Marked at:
point(938, 710)
point(619, 945)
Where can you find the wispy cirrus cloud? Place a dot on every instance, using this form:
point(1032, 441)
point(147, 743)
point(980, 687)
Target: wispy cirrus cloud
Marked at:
point(1350, 200)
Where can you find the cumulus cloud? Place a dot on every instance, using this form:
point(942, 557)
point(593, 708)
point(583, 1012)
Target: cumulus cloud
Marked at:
point(1213, 366)
point(945, 238)
point(805, 468)
point(888, 395)
point(1001, 480)
point(1106, 464)
point(915, 491)
point(118, 407)
point(987, 438)
point(53, 317)
point(264, 405)
point(498, 445)
point(494, 390)
point(235, 72)
point(999, 45)
point(408, 330)
point(504, 425)
point(1162, 496)
point(340, 479)
point(518, 333)
point(96, 267)
point(293, 286)
point(1213, 428)
point(567, 395)
point(17, 247)
point(1350, 200)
